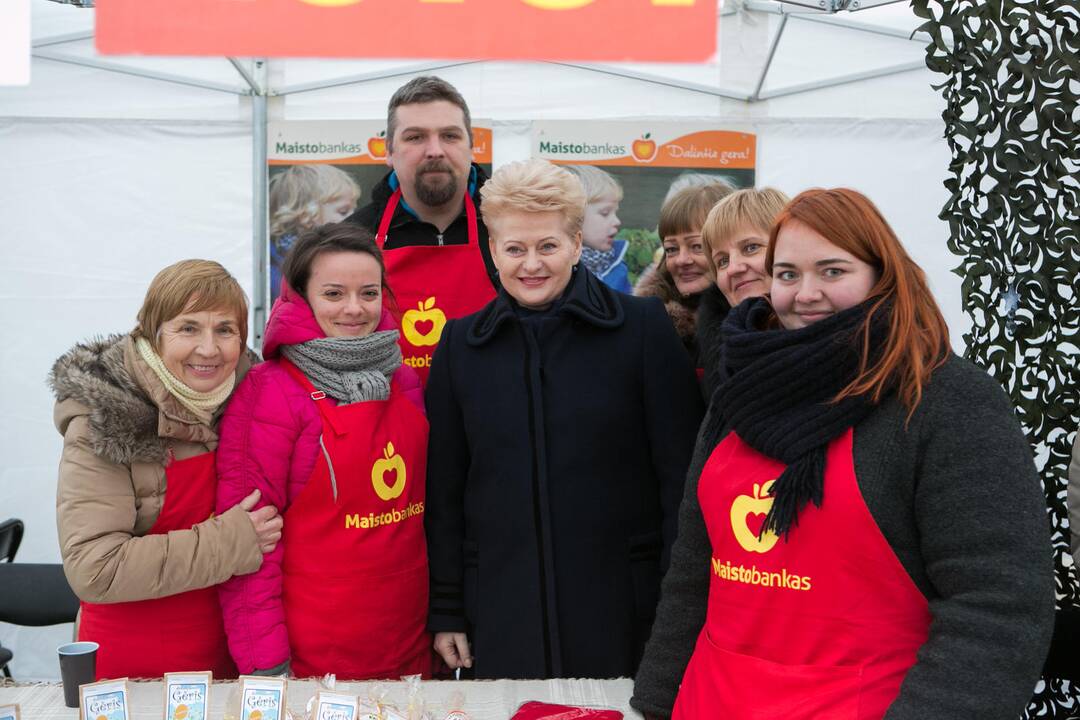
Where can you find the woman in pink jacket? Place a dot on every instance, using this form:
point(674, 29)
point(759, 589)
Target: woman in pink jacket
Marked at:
point(331, 430)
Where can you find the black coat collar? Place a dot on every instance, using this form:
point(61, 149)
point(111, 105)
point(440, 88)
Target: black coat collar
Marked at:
point(586, 299)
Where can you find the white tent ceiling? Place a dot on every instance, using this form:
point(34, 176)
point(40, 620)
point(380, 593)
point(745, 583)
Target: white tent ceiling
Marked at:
point(783, 58)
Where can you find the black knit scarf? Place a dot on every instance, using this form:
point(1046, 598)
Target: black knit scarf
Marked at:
point(776, 390)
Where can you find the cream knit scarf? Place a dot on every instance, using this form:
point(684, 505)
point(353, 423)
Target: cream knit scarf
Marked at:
point(202, 404)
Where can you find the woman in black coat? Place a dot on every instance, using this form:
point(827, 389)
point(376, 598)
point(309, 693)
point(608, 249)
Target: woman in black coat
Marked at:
point(563, 415)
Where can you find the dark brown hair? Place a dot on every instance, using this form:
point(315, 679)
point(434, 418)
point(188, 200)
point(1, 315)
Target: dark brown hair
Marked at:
point(685, 211)
point(424, 89)
point(332, 237)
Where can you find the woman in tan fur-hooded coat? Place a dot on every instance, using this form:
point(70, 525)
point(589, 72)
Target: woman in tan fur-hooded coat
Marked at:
point(139, 541)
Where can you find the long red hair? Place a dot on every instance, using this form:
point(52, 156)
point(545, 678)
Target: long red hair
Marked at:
point(918, 338)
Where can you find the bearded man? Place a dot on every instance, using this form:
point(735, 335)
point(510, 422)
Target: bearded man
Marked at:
point(426, 218)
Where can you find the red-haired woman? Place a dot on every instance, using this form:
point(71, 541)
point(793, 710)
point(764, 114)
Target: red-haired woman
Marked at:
point(902, 568)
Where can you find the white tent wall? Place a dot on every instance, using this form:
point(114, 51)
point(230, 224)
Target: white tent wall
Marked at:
point(148, 173)
point(92, 209)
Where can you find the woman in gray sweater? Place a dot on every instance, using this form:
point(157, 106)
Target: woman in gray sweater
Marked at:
point(863, 533)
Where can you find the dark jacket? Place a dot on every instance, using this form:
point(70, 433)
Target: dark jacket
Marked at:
point(957, 497)
point(656, 282)
point(555, 465)
point(713, 308)
point(406, 229)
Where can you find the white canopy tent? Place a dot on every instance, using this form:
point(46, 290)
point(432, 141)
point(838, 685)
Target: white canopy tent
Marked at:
point(115, 167)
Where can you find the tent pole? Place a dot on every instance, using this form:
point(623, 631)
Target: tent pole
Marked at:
point(369, 77)
point(768, 61)
point(844, 79)
point(252, 84)
point(128, 70)
point(61, 39)
point(259, 201)
point(655, 79)
point(772, 9)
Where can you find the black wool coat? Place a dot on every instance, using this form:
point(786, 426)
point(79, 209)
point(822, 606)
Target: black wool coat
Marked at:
point(559, 444)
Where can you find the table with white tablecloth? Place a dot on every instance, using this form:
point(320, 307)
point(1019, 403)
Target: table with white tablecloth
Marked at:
point(483, 699)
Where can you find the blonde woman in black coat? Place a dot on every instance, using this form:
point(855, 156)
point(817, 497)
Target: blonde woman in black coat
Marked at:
point(563, 415)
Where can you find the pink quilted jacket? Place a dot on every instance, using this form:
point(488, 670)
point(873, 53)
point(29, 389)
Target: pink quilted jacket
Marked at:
point(269, 439)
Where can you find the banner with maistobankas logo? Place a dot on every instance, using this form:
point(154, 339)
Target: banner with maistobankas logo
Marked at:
point(643, 30)
point(642, 163)
point(346, 142)
point(322, 170)
point(645, 144)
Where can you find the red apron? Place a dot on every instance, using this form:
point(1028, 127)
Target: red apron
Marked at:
point(433, 283)
point(824, 626)
point(178, 633)
point(355, 585)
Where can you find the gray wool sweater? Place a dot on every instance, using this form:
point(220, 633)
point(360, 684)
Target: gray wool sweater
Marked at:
point(957, 497)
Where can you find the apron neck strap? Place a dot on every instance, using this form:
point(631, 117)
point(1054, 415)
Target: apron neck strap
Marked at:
point(391, 208)
point(387, 216)
point(326, 409)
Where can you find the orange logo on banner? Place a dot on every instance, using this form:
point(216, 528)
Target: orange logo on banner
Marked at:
point(644, 149)
point(377, 145)
point(640, 30)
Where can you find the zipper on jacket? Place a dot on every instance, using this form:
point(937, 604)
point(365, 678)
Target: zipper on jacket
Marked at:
point(330, 466)
point(439, 237)
point(537, 514)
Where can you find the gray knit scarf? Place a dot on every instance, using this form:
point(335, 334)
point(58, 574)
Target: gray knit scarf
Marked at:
point(349, 369)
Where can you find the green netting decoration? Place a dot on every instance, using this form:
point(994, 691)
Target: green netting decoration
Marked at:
point(1011, 77)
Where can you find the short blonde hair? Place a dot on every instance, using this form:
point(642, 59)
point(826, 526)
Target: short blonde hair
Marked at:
point(533, 186)
point(297, 194)
point(597, 183)
point(756, 208)
point(190, 286)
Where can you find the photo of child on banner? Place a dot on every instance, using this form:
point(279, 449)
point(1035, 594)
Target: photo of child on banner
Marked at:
point(303, 197)
point(321, 171)
point(629, 173)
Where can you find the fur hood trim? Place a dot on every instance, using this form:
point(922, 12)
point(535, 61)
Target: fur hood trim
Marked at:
point(682, 311)
point(123, 420)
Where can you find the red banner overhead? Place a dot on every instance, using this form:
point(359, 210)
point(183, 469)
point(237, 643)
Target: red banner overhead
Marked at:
point(586, 30)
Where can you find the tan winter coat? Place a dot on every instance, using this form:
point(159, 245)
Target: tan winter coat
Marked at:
point(119, 424)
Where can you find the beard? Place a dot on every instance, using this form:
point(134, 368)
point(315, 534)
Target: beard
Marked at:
point(431, 192)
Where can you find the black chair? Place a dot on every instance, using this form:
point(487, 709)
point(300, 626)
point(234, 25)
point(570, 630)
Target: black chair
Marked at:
point(11, 532)
point(34, 595)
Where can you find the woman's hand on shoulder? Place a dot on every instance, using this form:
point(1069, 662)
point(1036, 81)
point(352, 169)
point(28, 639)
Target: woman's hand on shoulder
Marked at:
point(266, 521)
point(453, 647)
